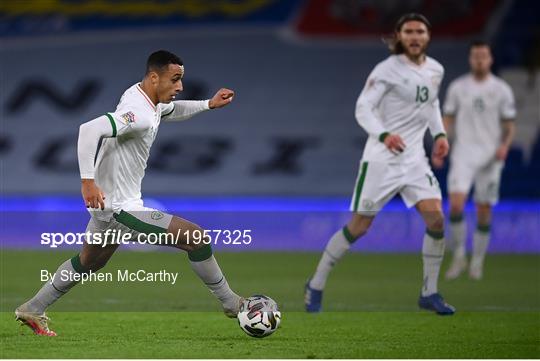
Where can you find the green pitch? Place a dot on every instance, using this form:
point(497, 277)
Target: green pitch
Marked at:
point(370, 310)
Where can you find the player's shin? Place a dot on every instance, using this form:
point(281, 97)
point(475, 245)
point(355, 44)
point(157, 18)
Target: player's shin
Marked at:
point(60, 284)
point(480, 245)
point(336, 247)
point(206, 267)
point(458, 234)
point(432, 255)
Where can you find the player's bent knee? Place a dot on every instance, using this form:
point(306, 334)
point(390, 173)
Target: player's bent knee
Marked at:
point(436, 222)
point(202, 253)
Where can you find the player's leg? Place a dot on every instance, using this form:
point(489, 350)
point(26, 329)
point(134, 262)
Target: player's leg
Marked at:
point(375, 185)
point(480, 240)
point(458, 235)
point(337, 246)
point(92, 258)
point(182, 234)
point(432, 256)
point(335, 249)
point(460, 178)
point(486, 194)
point(422, 190)
point(204, 264)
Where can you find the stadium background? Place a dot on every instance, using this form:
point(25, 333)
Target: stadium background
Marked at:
point(281, 160)
point(290, 137)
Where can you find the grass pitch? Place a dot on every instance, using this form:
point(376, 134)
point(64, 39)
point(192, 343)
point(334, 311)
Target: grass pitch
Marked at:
point(369, 310)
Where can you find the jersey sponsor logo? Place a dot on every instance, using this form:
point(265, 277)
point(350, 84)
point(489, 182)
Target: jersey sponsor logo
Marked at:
point(128, 117)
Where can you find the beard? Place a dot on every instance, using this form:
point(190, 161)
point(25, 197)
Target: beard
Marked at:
point(415, 52)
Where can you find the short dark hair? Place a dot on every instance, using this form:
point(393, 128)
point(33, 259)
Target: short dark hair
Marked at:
point(478, 43)
point(394, 45)
point(160, 59)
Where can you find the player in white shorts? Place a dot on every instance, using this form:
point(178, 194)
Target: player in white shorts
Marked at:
point(111, 186)
point(480, 108)
point(397, 105)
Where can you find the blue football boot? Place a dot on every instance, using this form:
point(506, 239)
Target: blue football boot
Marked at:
point(312, 299)
point(436, 303)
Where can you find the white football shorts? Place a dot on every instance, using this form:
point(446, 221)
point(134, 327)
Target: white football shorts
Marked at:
point(486, 179)
point(377, 183)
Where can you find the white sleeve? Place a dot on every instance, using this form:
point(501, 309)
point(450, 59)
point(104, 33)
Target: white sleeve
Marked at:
point(109, 125)
point(90, 134)
point(508, 104)
point(451, 102)
point(435, 124)
point(374, 90)
point(184, 109)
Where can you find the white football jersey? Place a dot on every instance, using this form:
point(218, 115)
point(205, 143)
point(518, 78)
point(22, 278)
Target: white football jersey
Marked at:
point(121, 161)
point(400, 97)
point(478, 108)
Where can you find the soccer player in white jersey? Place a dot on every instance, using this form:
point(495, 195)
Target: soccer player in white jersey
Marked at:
point(480, 108)
point(111, 187)
point(397, 105)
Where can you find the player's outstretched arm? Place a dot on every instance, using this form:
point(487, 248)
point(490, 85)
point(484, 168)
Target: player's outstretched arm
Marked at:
point(185, 109)
point(222, 98)
point(89, 135)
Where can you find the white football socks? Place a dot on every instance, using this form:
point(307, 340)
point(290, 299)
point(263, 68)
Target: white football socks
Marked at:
point(209, 272)
point(337, 246)
point(480, 245)
point(458, 234)
point(54, 289)
point(432, 255)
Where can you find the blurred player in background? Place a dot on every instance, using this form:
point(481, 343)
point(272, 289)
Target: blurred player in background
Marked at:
point(111, 186)
point(480, 107)
point(398, 103)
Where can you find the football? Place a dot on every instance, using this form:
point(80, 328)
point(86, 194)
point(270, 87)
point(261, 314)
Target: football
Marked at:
point(259, 316)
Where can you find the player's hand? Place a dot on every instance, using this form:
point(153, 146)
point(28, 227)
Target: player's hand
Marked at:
point(92, 195)
point(394, 143)
point(221, 98)
point(502, 152)
point(440, 151)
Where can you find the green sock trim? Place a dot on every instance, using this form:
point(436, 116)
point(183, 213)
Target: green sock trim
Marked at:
point(348, 236)
point(484, 228)
point(76, 264)
point(200, 254)
point(435, 234)
point(456, 218)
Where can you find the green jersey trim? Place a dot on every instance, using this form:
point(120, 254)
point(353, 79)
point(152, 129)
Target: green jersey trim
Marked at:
point(113, 124)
